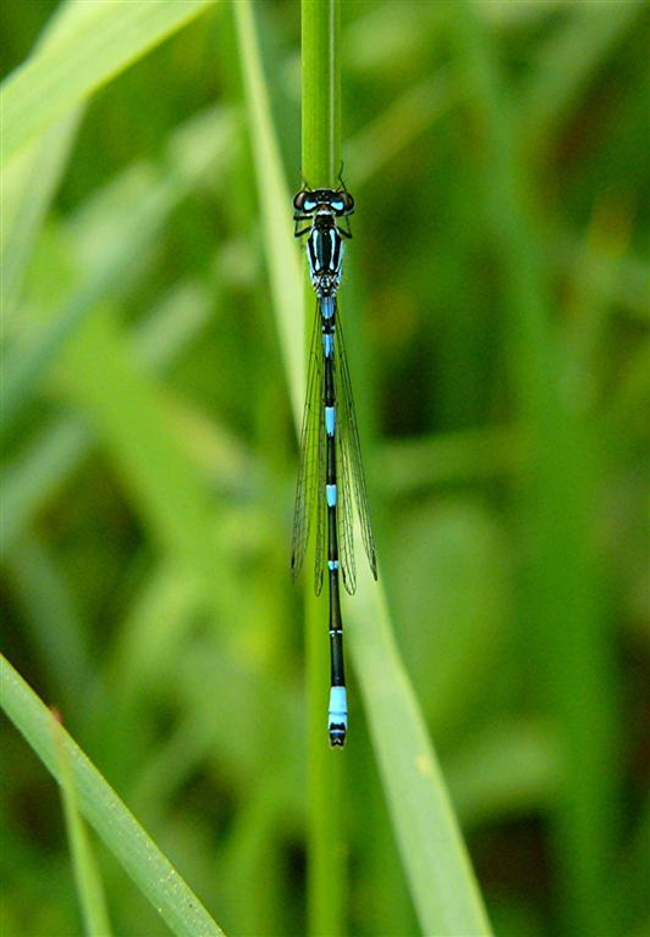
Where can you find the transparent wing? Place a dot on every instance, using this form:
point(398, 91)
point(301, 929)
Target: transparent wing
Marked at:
point(344, 519)
point(311, 461)
point(344, 526)
point(352, 466)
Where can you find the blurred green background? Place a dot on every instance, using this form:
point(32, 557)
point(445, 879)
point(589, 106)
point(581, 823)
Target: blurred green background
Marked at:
point(497, 315)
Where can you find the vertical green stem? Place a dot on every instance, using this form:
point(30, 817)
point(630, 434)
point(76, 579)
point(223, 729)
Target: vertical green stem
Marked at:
point(321, 91)
point(320, 165)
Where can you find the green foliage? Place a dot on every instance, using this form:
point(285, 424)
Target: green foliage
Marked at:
point(496, 313)
point(90, 890)
point(78, 779)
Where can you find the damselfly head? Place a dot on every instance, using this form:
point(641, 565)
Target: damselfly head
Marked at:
point(338, 201)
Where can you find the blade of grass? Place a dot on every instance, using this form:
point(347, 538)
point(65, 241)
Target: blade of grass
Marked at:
point(45, 165)
point(31, 181)
point(280, 252)
point(150, 637)
point(25, 370)
point(89, 886)
point(32, 479)
point(135, 850)
point(79, 59)
point(165, 490)
point(36, 474)
point(321, 151)
point(160, 193)
point(441, 880)
point(321, 92)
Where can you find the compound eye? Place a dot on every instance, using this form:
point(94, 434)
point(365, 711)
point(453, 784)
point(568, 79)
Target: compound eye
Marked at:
point(337, 205)
point(304, 202)
point(348, 202)
point(299, 200)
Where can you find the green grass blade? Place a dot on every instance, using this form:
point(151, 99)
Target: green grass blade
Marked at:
point(275, 206)
point(25, 370)
point(440, 877)
point(76, 61)
point(321, 92)
point(45, 165)
point(192, 151)
point(135, 850)
point(321, 149)
point(90, 889)
point(128, 411)
point(36, 474)
point(31, 181)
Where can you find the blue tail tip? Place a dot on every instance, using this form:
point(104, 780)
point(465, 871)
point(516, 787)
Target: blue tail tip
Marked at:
point(338, 716)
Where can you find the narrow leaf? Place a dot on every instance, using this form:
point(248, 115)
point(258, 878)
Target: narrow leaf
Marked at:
point(275, 205)
point(90, 889)
point(81, 58)
point(441, 880)
point(135, 850)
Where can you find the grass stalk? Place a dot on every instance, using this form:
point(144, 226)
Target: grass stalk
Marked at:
point(321, 144)
point(275, 206)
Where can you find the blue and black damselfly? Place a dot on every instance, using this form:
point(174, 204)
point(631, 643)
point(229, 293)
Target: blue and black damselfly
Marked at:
point(331, 473)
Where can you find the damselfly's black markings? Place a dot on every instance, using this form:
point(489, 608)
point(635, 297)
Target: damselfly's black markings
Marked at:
point(331, 473)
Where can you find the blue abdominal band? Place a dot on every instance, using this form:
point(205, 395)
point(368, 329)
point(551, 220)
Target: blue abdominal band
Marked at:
point(338, 710)
point(328, 344)
point(327, 306)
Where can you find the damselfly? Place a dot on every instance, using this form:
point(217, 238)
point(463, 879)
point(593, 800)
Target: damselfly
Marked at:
point(331, 473)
